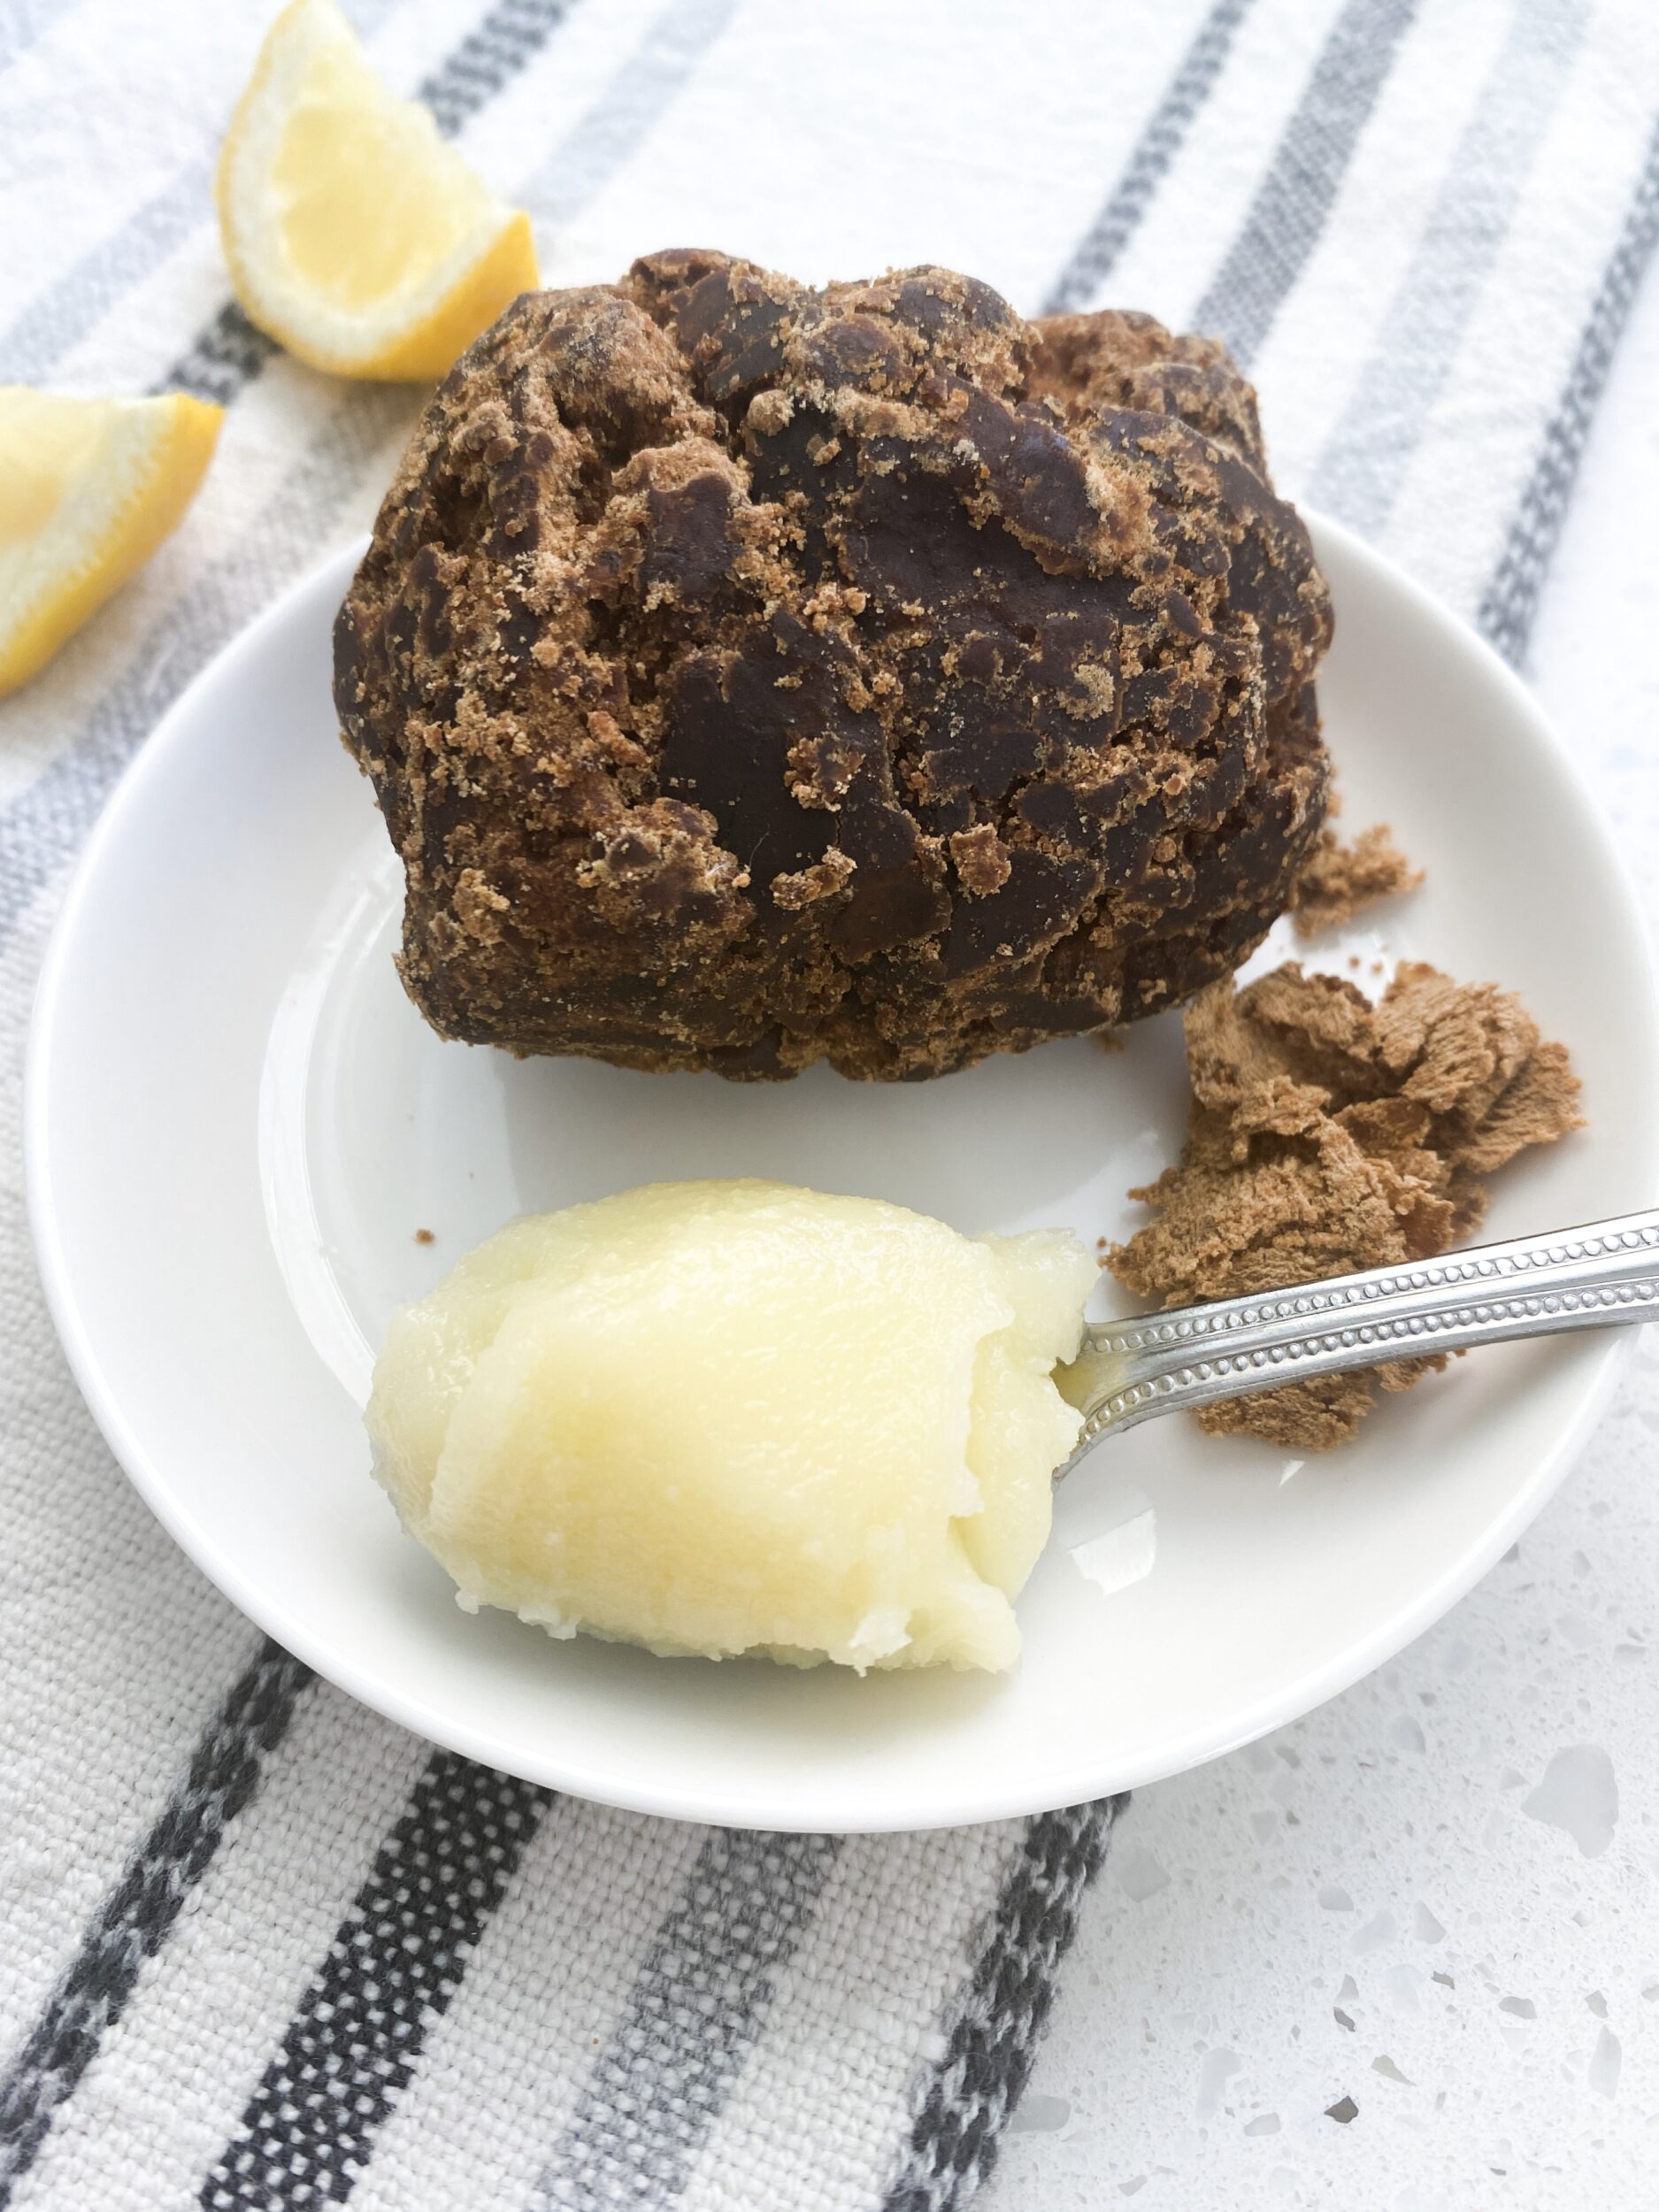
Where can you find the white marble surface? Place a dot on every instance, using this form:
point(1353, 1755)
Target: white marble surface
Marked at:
point(1435, 1901)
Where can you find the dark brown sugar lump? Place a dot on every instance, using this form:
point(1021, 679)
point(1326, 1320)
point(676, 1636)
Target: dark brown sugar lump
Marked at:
point(751, 674)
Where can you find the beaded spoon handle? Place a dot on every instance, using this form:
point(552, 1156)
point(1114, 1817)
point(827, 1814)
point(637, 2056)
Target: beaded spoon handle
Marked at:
point(1605, 1275)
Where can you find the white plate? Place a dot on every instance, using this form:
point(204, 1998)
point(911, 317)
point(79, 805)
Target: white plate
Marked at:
point(237, 1124)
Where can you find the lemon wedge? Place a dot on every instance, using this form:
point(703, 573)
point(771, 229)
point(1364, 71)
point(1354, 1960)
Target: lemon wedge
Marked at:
point(354, 236)
point(88, 488)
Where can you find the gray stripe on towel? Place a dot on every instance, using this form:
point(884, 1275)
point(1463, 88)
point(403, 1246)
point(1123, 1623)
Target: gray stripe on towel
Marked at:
point(1296, 194)
point(396, 1963)
point(61, 316)
point(966, 2102)
point(1509, 606)
point(694, 2013)
point(487, 59)
point(1363, 461)
point(1162, 137)
point(134, 1921)
point(614, 128)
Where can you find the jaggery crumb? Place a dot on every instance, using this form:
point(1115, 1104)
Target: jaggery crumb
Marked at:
point(1338, 881)
point(1326, 1135)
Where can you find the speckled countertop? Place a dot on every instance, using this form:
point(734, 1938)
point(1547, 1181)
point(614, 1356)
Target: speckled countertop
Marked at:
point(1404, 1955)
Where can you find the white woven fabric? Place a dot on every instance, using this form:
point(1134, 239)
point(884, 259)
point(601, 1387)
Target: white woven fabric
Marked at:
point(263, 1949)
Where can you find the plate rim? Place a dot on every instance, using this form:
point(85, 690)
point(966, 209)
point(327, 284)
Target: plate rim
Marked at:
point(1599, 1360)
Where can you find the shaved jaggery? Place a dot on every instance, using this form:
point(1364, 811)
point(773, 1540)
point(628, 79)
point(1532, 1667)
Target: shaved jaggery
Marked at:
point(1328, 1134)
point(751, 674)
point(1339, 881)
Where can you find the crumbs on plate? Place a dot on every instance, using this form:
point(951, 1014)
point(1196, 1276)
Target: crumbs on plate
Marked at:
point(1327, 1135)
point(1338, 881)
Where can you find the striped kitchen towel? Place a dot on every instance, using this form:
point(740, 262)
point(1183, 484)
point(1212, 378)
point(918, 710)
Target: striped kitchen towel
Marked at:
point(262, 1948)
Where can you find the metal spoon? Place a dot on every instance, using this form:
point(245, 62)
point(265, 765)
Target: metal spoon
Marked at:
point(1605, 1275)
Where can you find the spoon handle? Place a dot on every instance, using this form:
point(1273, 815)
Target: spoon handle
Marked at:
point(1601, 1276)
